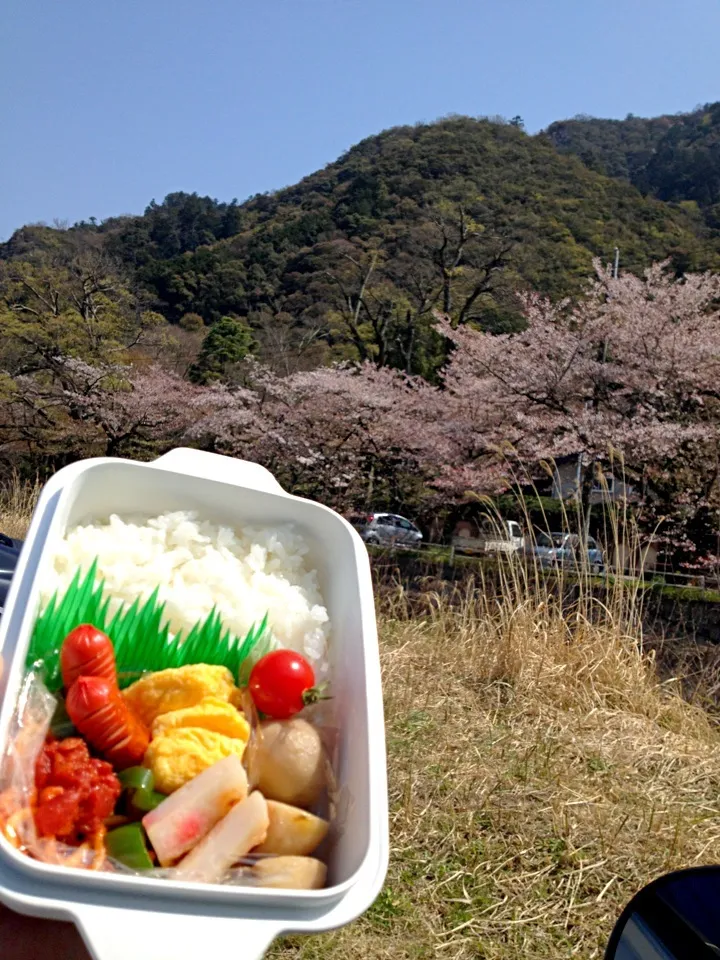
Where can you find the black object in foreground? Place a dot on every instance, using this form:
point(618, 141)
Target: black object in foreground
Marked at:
point(9, 553)
point(676, 917)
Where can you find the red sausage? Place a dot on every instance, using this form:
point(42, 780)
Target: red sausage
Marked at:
point(87, 652)
point(99, 712)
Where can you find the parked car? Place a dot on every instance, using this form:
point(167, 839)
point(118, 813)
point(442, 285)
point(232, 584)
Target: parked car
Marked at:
point(9, 553)
point(565, 550)
point(387, 530)
point(491, 538)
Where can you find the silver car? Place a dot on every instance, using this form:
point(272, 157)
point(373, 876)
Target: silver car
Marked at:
point(565, 550)
point(388, 530)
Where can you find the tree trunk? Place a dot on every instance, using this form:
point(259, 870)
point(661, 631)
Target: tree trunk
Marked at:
point(588, 476)
point(112, 447)
point(447, 294)
point(410, 345)
point(371, 485)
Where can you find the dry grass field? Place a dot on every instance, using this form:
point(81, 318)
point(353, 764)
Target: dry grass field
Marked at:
point(540, 774)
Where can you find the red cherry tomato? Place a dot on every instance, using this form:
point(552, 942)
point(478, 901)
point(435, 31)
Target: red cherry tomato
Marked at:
point(282, 683)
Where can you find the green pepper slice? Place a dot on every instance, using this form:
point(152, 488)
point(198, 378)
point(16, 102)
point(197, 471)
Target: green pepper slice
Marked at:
point(147, 800)
point(127, 845)
point(61, 726)
point(63, 729)
point(137, 778)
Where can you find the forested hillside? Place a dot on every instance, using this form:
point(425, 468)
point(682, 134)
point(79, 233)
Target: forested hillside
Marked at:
point(617, 148)
point(458, 215)
point(673, 158)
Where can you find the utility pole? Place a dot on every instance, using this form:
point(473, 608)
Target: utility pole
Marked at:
point(588, 506)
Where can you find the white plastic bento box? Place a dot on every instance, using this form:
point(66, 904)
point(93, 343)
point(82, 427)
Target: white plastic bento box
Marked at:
point(149, 919)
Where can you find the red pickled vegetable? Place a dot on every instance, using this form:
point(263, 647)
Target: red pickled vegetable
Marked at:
point(87, 652)
point(102, 716)
point(75, 792)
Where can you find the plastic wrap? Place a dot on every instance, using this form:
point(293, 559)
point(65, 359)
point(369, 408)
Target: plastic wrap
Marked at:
point(18, 796)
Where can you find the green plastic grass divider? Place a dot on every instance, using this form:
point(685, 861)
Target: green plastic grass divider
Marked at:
point(140, 635)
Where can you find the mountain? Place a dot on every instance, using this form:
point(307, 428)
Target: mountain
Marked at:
point(617, 148)
point(457, 215)
point(673, 158)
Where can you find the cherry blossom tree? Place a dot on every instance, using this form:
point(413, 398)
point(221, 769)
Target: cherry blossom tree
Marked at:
point(628, 374)
point(128, 406)
point(631, 372)
point(107, 409)
point(342, 434)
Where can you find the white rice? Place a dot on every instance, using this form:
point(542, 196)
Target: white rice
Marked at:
point(197, 565)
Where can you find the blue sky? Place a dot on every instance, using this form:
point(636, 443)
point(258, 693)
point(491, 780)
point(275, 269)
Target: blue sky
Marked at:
point(107, 104)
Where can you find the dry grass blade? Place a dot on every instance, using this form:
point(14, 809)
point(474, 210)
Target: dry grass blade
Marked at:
point(17, 502)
